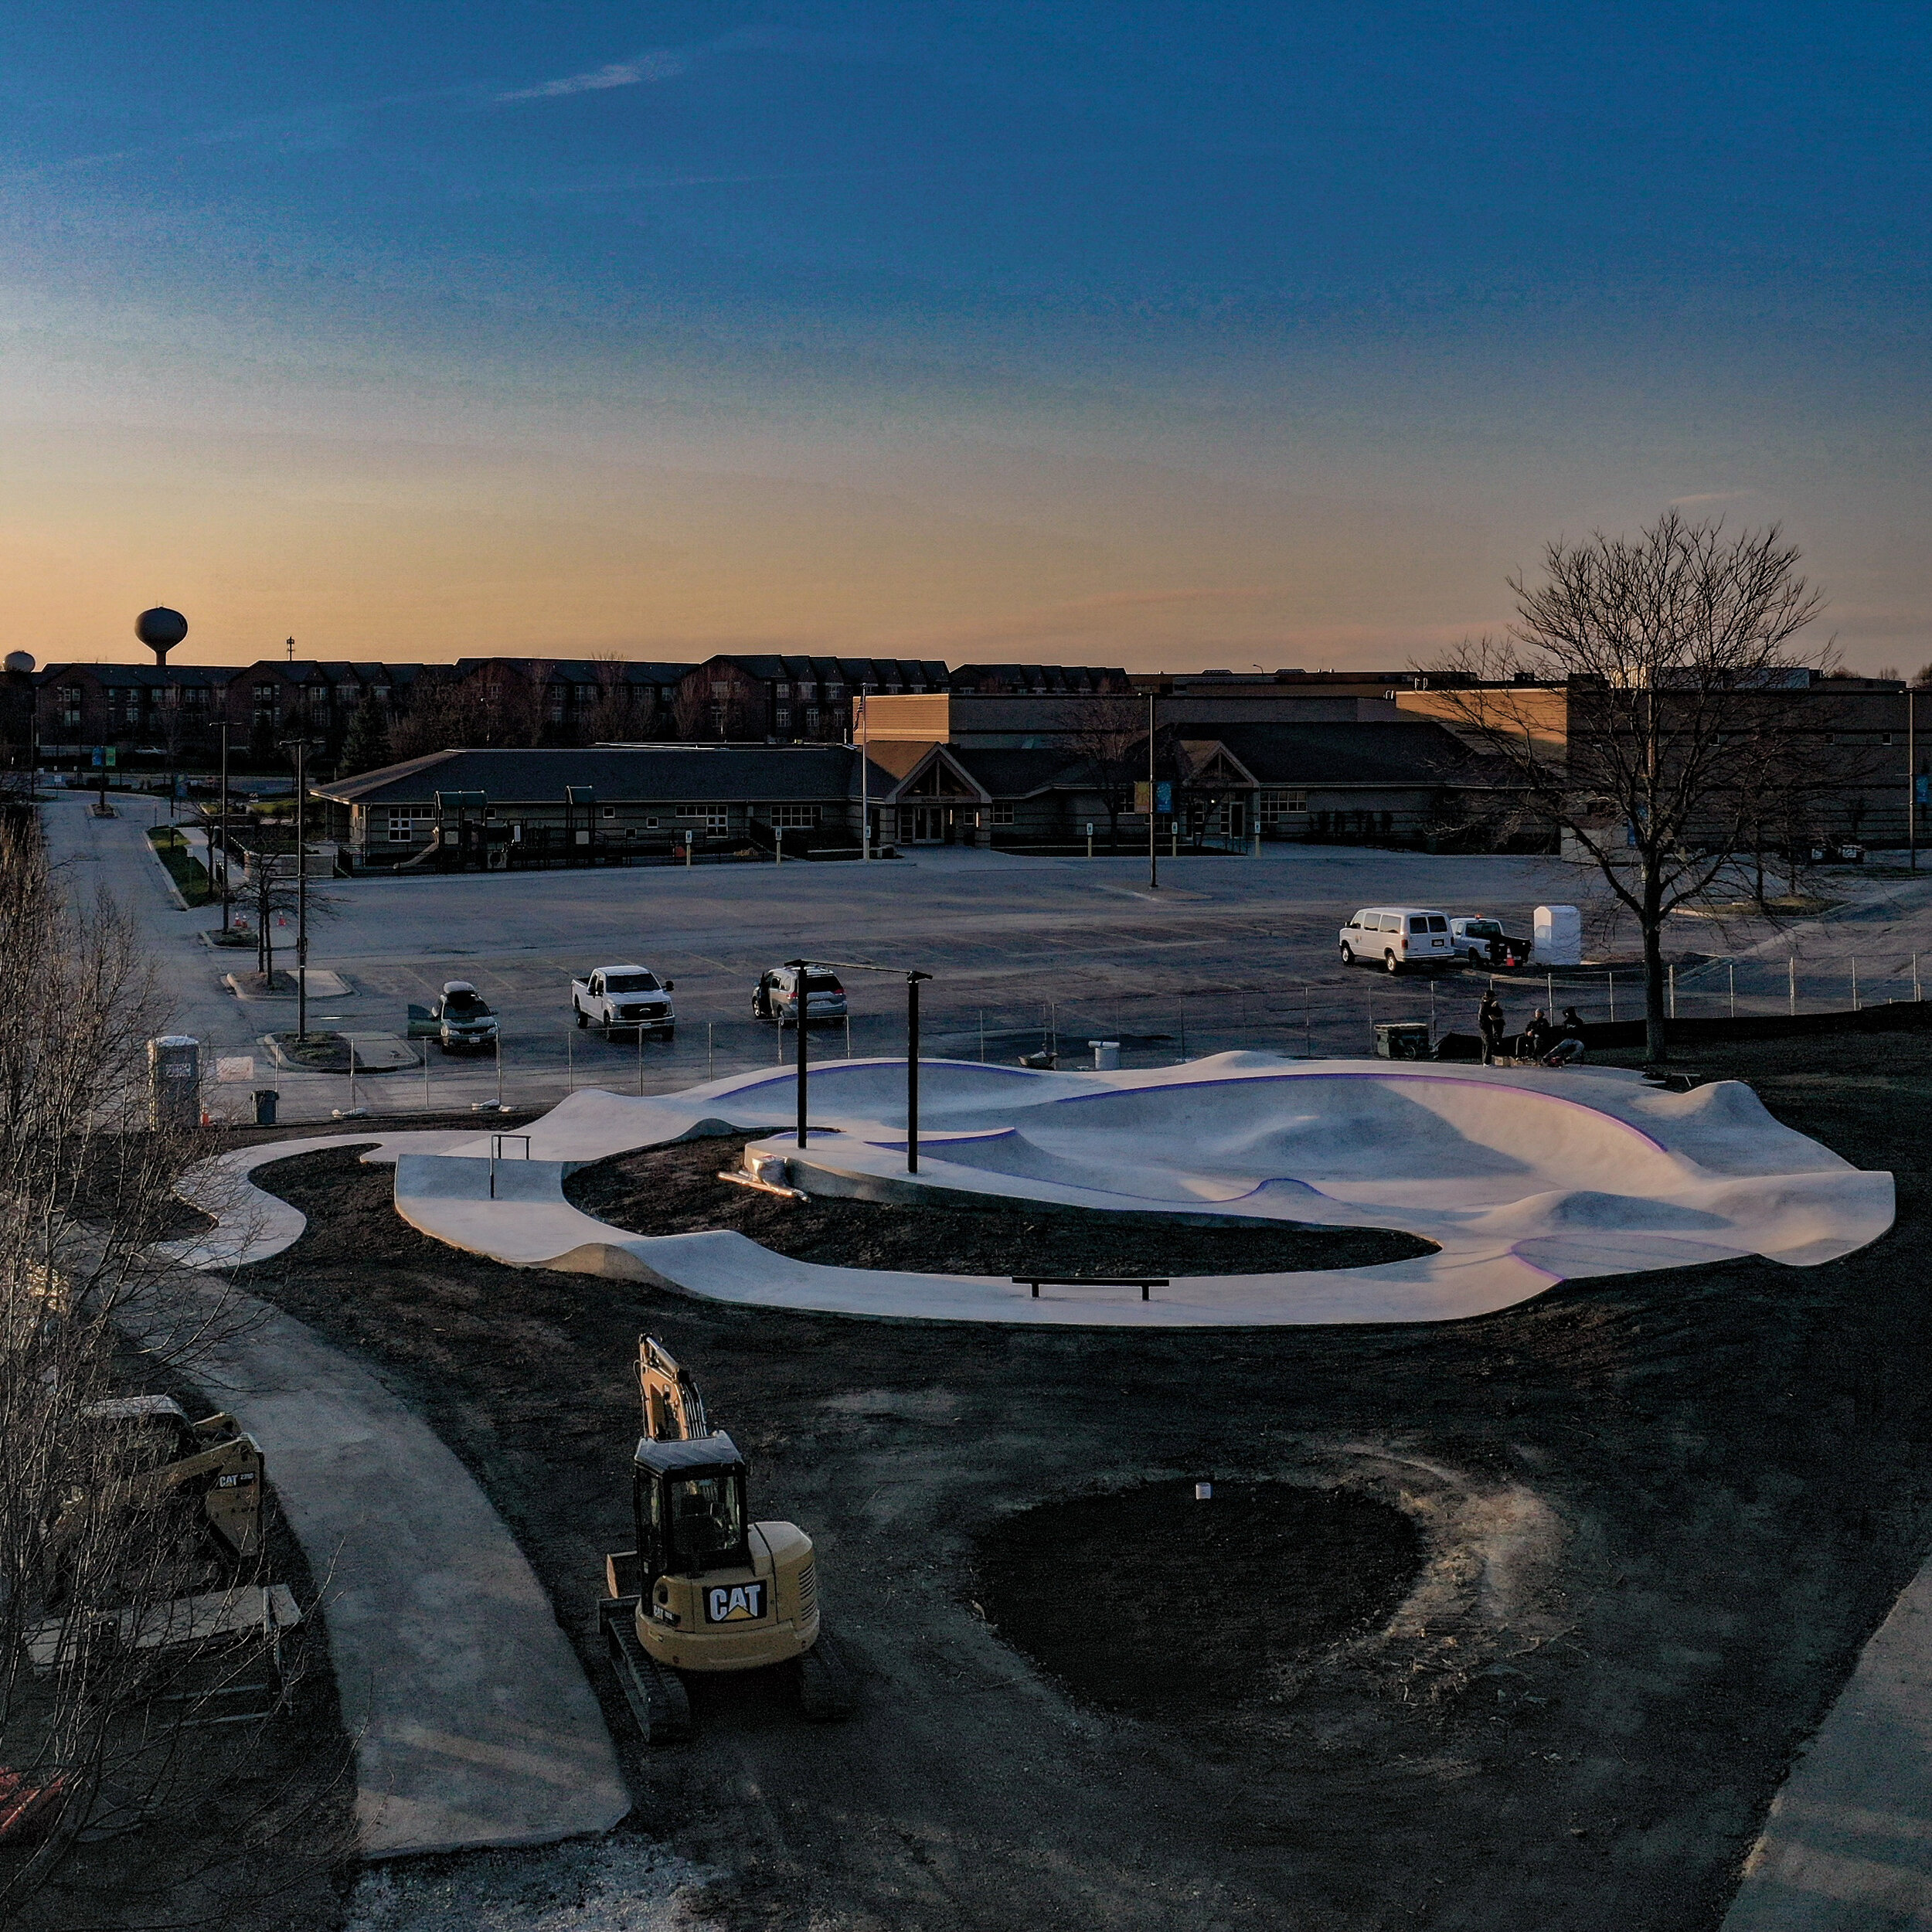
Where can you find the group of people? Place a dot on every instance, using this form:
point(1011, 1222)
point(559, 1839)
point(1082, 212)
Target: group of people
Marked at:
point(1539, 1042)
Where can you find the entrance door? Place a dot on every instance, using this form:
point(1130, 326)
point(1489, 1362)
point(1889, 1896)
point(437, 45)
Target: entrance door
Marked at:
point(929, 824)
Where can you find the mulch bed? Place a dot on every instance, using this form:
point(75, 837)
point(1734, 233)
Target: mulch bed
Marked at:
point(675, 1190)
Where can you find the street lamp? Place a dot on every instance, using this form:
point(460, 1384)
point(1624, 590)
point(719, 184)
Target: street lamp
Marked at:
point(300, 747)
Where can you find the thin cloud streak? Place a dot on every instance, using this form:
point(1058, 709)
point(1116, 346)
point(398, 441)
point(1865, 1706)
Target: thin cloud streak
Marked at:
point(659, 65)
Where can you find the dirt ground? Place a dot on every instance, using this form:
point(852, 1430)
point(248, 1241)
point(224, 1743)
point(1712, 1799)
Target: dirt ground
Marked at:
point(675, 1190)
point(250, 1823)
point(1655, 1518)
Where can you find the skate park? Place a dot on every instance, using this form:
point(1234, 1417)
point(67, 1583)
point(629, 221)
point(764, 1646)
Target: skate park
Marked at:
point(1520, 1179)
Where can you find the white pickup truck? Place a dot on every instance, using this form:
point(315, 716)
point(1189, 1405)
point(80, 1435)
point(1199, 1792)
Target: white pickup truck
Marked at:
point(626, 999)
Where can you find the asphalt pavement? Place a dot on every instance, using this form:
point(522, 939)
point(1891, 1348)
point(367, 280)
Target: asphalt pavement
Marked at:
point(1228, 952)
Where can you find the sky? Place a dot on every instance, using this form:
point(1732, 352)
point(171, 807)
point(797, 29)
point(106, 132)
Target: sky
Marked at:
point(1165, 335)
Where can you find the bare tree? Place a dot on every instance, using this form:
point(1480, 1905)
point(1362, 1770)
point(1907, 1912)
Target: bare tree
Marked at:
point(1675, 650)
point(99, 1552)
point(614, 716)
point(1107, 737)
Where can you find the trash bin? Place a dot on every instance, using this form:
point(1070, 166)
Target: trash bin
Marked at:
point(1106, 1056)
point(1402, 1039)
point(267, 1099)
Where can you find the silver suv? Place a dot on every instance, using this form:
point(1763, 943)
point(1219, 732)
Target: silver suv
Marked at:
point(776, 996)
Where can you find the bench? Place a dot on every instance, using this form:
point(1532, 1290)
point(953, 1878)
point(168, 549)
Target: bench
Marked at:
point(1036, 1282)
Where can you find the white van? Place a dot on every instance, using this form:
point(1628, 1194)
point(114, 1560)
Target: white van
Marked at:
point(1393, 937)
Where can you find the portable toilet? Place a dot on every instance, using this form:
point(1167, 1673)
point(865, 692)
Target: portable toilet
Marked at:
point(1557, 936)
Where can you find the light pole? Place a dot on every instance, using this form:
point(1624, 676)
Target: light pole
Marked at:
point(1911, 775)
point(863, 735)
point(1153, 849)
point(913, 980)
point(797, 968)
point(300, 747)
point(222, 833)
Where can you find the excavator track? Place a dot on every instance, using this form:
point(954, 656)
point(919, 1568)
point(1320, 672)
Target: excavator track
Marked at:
point(656, 1696)
point(827, 1688)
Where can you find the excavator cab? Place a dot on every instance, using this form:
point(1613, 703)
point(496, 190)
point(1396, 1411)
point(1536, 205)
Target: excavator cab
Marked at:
point(705, 1587)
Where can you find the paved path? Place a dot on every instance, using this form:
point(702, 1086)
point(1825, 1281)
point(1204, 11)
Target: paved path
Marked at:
point(473, 1723)
point(1848, 1845)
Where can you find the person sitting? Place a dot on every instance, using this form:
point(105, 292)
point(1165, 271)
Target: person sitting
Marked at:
point(1535, 1038)
point(1568, 1045)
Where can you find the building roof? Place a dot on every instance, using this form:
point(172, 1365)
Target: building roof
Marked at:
point(1019, 774)
point(695, 774)
point(849, 671)
point(1420, 753)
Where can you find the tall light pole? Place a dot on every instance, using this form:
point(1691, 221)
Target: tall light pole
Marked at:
point(1153, 846)
point(1911, 775)
point(797, 968)
point(222, 822)
point(912, 1070)
point(300, 747)
point(863, 735)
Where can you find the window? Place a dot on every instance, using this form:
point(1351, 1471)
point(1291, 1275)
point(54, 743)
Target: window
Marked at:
point(609, 811)
point(1002, 814)
point(1279, 804)
point(409, 822)
point(716, 818)
point(834, 692)
point(784, 691)
point(719, 688)
point(707, 1521)
point(70, 704)
point(808, 690)
point(781, 717)
point(795, 815)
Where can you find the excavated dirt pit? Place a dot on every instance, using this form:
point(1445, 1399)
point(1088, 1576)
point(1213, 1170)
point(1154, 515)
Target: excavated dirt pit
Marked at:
point(675, 1190)
point(1155, 1604)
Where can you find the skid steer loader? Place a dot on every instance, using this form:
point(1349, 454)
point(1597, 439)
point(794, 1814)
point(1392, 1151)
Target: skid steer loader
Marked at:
point(706, 1589)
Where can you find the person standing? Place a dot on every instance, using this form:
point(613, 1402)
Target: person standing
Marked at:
point(1489, 1023)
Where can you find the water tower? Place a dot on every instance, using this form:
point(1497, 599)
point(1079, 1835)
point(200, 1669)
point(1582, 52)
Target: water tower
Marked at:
point(161, 629)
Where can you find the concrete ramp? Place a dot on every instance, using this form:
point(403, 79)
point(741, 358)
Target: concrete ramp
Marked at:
point(1522, 1177)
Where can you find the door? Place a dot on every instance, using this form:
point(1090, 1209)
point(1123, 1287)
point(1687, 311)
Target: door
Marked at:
point(929, 824)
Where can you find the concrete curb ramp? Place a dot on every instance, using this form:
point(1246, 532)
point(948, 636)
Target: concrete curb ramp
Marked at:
point(1523, 1178)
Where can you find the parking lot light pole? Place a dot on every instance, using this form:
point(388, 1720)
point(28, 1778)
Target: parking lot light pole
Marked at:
point(300, 747)
point(912, 1070)
point(796, 969)
point(1153, 849)
point(223, 833)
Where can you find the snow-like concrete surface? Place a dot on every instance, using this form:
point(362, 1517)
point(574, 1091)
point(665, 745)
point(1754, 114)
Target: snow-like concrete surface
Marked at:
point(1524, 1177)
point(252, 1224)
point(472, 1722)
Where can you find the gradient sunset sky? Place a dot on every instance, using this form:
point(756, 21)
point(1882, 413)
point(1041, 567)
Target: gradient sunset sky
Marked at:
point(1165, 335)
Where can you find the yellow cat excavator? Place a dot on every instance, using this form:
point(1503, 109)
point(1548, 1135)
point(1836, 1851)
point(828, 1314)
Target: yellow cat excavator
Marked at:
point(706, 1589)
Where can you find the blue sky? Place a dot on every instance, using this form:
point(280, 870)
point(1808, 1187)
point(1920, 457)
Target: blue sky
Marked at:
point(1145, 334)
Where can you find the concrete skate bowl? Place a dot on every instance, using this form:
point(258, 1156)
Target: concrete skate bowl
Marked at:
point(1523, 1178)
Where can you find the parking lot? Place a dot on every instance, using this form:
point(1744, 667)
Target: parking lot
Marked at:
point(1230, 952)
point(1026, 953)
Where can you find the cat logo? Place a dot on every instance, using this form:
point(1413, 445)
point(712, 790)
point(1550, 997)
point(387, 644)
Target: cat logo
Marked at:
point(734, 1604)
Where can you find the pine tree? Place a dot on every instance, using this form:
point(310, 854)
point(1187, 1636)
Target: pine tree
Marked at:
point(367, 747)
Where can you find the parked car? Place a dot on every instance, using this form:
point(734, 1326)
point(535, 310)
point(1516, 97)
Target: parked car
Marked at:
point(1393, 937)
point(629, 999)
point(1482, 941)
point(776, 996)
point(463, 1021)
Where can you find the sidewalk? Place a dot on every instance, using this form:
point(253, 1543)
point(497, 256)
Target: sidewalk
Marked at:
point(1847, 1846)
point(472, 1721)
